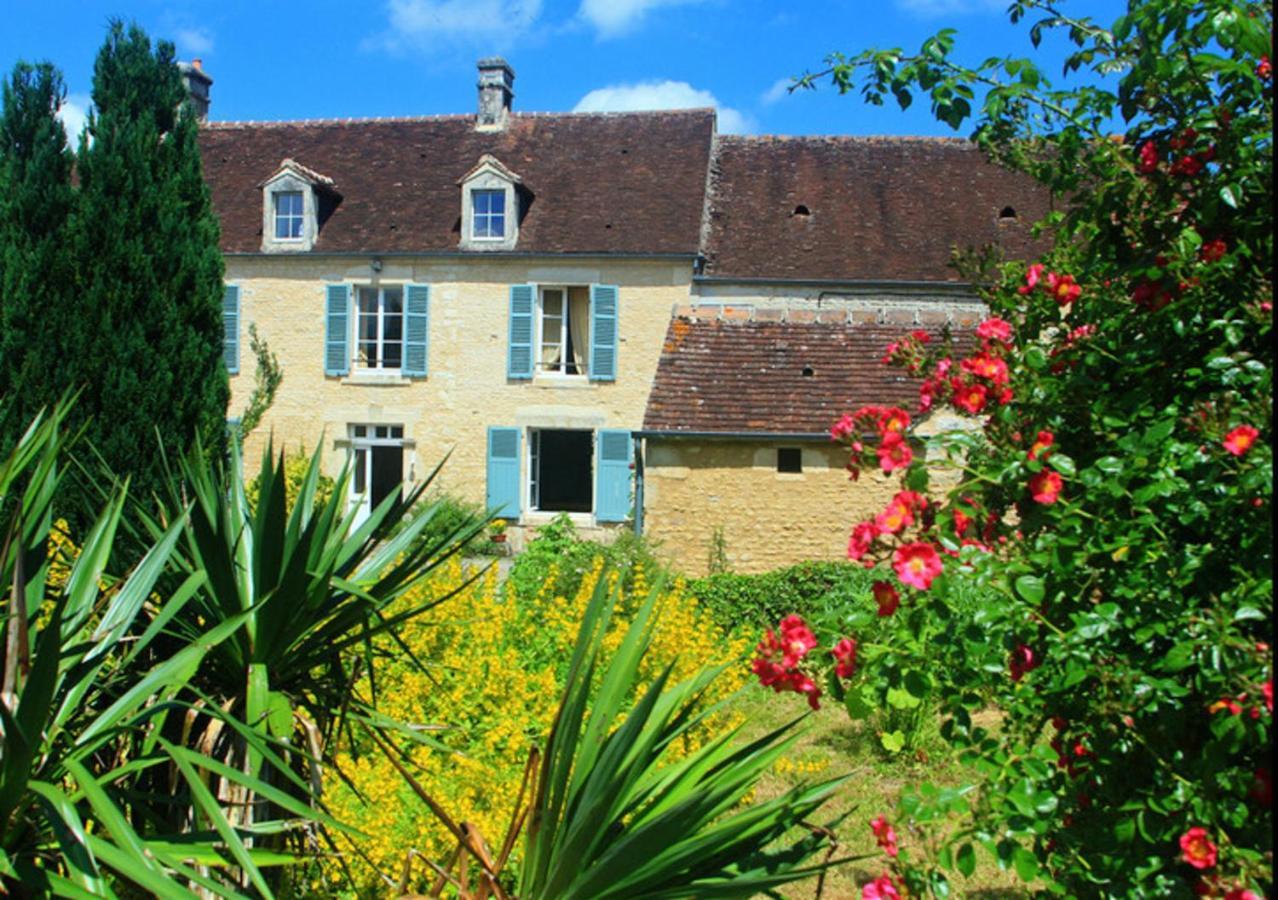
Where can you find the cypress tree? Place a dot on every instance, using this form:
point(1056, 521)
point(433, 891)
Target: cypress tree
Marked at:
point(150, 272)
point(36, 272)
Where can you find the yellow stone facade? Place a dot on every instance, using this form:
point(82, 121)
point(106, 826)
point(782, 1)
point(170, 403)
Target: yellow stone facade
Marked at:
point(466, 389)
point(768, 518)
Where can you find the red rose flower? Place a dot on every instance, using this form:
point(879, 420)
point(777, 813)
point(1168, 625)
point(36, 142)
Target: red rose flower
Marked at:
point(1022, 660)
point(1063, 288)
point(894, 452)
point(995, 330)
point(844, 654)
point(885, 834)
point(1196, 849)
point(1241, 893)
point(1239, 440)
point(917, 564)
point(881, 888)
point(1045, 487)
point(1213, 251)
point(1032, 275)
point(1041, 446)
point(886, 597)
point(1187, 166)
point(894, 419)
point(969, 397)
point(841, 428)
point(1147, 158)
point(796, 640)
point(1263, 69)
point(863, 536)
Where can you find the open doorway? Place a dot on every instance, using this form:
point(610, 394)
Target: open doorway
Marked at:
point(561, 470)
point(377, 453)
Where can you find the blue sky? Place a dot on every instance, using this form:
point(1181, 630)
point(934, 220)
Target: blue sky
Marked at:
point(329, 59)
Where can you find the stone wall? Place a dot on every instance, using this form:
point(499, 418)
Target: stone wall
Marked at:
point(769, 519)
point(467, 389)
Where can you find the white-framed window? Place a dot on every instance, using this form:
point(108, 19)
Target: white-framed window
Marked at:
point(290, 217)
point(488, 214)
point(377, 465)
point(561, 470)
point(563, 330)
point(379, 327)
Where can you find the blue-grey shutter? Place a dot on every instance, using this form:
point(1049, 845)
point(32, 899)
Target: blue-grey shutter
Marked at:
point(416, 329)
point(503, 472)
point(231, 328)
point(612, 475)
point(603, 332)
point(337, 313)
point(519, 356)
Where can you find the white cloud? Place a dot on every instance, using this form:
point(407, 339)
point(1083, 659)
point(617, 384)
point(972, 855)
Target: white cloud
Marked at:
point(615, 17)
point(74, 113)
point(779, 91)
point(931, 9)
point(421, 23)
point(663, 95)
point(193, 41)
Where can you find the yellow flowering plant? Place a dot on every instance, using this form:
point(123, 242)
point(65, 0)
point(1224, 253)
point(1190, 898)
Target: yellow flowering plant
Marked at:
point(494, 668)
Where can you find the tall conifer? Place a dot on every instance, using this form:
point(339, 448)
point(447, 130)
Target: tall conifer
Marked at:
point(36, 271)
point(150, 272)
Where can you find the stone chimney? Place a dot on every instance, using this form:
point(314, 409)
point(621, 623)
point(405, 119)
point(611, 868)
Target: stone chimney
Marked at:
point(496, 90)
point(197, 84)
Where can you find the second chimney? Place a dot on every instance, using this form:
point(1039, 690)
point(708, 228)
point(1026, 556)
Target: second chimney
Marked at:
point(496, 90)
point(197, 84)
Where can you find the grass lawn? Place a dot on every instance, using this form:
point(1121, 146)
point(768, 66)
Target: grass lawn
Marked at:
point(832, 745)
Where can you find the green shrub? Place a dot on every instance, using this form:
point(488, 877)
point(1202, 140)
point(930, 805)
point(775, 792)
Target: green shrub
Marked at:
point(452, 516)
point(815, 590)
point(558, 544)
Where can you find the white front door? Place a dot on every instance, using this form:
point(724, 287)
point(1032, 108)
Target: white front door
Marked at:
point(377, 463)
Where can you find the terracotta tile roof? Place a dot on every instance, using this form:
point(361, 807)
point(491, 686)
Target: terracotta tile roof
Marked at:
point(878, 208)
point(737, 374)
point(599, 182)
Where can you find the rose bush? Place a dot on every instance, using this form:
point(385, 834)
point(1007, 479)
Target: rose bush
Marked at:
point(1115, 490)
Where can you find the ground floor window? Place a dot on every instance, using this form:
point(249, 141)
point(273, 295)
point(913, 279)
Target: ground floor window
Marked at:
point(561, 470)
point(377, 462)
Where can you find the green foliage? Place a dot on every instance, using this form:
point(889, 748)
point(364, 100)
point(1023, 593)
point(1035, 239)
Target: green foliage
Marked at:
point(717, 555)
point(1129, 649)
point(558, 548)
point(821, 592)
point(36, 276)
point(450, 515)
point(296, 468)
point(89, 783)
point(609, 818)
point(144, 336)
point(267, 377)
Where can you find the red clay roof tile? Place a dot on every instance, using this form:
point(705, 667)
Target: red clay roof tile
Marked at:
point(598, 182)
point(858, 208)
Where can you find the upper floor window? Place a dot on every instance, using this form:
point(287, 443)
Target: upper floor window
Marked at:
point(379, 327)
point(565, 330)
point(289, 215)
point(490, 207)
point(488, 215)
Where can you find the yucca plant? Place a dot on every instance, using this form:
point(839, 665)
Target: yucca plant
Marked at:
point(610, 817)
point(86, 694)
point(308, 589)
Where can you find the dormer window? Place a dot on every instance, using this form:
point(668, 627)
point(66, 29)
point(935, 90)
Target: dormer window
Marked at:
point(295, 200)
point(490, 206)
point(488, 214)
point(288, 215)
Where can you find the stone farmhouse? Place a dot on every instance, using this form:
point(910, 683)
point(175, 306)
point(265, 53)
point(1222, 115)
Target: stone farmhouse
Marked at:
point(624, 317)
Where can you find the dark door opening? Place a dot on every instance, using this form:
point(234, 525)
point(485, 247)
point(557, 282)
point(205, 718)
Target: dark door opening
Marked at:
point(388, 472)
point(563, 471)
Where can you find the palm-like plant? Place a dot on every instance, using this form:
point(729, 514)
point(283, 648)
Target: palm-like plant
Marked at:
point(611, 817)
point(86, 694)
point(309, 589)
